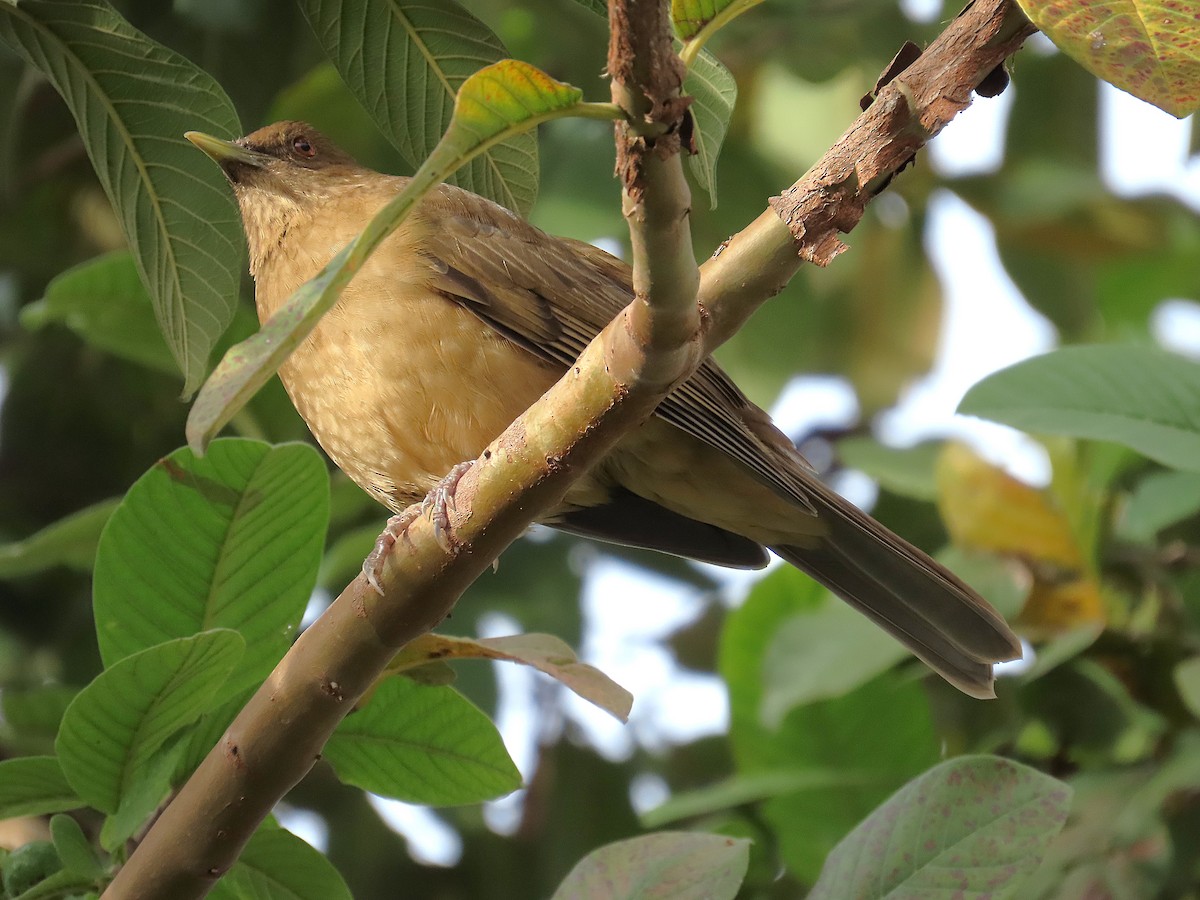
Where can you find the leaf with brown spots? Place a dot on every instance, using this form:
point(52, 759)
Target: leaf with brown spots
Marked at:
point(1150, 49)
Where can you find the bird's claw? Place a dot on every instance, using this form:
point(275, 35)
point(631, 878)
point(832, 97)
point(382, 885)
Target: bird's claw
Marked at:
point(437, 505)
point(373, 565)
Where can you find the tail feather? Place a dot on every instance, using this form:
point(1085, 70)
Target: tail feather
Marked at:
point(922, 604)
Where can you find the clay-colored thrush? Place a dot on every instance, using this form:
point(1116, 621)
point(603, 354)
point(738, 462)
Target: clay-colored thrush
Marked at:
point(466, 314)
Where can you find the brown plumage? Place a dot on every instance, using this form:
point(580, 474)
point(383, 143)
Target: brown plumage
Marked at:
point(467, 314)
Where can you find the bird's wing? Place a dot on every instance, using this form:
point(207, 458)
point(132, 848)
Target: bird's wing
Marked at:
point(553, 295)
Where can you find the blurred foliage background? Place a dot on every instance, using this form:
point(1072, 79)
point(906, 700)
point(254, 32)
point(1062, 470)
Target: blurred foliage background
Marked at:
point(1102, 568)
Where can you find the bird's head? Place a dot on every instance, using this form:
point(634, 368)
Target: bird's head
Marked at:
point(285, 157)
point(279, 174)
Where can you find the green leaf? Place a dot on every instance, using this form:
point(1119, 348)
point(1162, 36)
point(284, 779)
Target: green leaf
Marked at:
point(146, 793)
point(822, 653)
point(73, 848)
point(908, 472)
point(1116, 843)
point(505, 98)
point(678, 865)
point(973, 827)
point(280, 866)
point(740, 791)
point(133, 99)
point(103, 301)
point(1145, 47)
point(34, 786)
point(828, 736)
point(119, 721)
point(714, 93)
point(1091, 715)
point(232, 540)
point(1160, 500)
point(69, 542)
point(29, 717)
point(1137, 396)
point(1062, 649)
point(29, 868)
point(1187, 681)
point(405, 60)
point(424, 745)
point(691, 17)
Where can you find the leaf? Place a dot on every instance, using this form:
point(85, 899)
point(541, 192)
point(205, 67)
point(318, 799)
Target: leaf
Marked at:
point(69, 542)
point(31, 716)
point(1062, 649)
point(34, 786)
point(119, 721)
point(740, 791)
point(675, 865)
point(280, 866)
point(691, 17)
point(823, 653)
point(1091, 716)
point(405, 60)
point(714, 92)
point(133, 99)
point(1145, 47)
point(1159, 501)
point(908, 472)
point(1115, 843)
point(146, 793)
point(1187, 681)
point(1137, 396)
point(972, 827)
point(985, 508)
point(544, 652)
point(73, 848)
point(493, 104)
point(232, 540)
point(828, 736)
point(103, 301)
point(424, 745)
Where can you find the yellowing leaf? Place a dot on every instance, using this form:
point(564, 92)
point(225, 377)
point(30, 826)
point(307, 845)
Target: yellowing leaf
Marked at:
point(1149, 48)
point(1055, 608)
point(544, 652)
point(985, 508)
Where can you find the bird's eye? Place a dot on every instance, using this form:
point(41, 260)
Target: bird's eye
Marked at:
point(303, 147)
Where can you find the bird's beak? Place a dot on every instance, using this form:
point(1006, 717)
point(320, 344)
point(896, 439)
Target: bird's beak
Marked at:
point(231, 157)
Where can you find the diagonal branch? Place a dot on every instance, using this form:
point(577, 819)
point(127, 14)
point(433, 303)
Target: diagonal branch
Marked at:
point(802, 225)
point(615, 384)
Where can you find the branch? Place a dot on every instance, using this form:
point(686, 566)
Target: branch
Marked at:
point(616, 383)
point(802, 225)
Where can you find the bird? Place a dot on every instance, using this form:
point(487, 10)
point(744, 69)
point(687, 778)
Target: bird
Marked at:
point(466, 314)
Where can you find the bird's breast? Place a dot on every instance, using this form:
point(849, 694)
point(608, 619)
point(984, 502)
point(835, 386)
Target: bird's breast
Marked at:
point(398, 383)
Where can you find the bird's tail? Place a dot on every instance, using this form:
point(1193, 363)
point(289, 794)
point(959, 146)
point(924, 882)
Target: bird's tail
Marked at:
point(927, 608)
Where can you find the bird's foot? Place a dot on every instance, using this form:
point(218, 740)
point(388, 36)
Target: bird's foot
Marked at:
point(437, 505)
point(373, 565)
